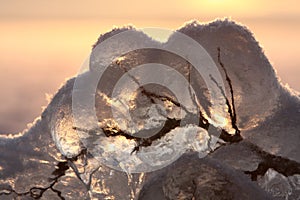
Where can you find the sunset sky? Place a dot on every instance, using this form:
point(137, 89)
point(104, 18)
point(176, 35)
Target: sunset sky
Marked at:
point(44, 42)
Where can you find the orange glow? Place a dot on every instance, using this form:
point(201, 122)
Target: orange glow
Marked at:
point(226, 7)
point(44, 42)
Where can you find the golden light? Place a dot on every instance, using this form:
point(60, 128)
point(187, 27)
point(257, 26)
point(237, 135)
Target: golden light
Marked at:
point(226, 8)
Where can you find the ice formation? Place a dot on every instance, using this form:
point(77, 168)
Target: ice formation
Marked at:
point(257, 153)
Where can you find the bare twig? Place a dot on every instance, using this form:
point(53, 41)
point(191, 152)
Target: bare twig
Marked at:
point(231, 108)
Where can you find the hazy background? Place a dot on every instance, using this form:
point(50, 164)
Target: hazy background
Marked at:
point(43, 42)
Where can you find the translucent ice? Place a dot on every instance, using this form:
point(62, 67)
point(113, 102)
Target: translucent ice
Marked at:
point(64, 157)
